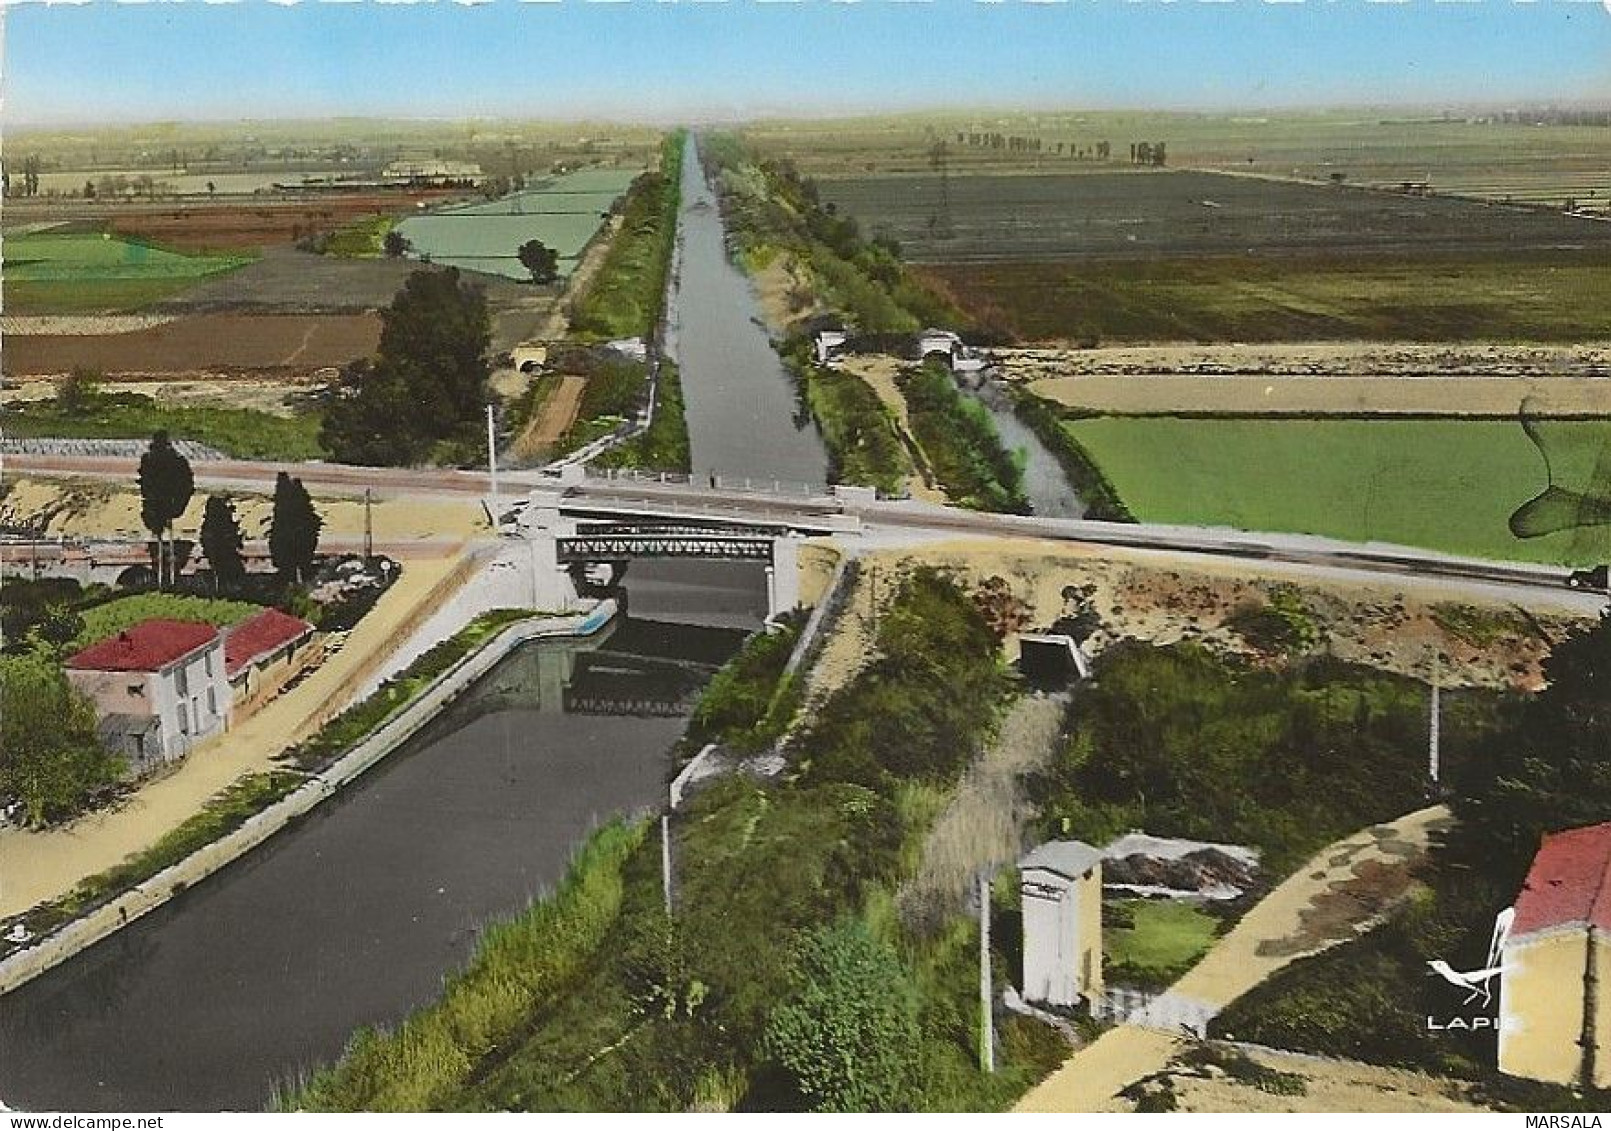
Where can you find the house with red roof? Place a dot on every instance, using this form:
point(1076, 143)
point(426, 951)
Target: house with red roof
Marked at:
point(159, 687)
point(1555, 996)
point(261, 653)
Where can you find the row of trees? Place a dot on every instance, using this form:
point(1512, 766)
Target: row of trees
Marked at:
point(1014, 143)
point(167, 484)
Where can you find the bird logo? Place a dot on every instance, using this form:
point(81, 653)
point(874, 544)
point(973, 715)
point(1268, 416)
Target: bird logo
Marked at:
point(1478, 982)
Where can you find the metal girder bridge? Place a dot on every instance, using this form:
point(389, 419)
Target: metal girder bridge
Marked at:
point(616, 543)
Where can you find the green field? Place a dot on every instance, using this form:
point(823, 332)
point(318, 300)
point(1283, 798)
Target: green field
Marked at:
point(244, 433)
point(1154, 941)
point(93, 271)
point(1447, 485)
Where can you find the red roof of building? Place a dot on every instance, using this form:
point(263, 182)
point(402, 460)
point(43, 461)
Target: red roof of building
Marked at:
point(1566, 886)
point(266, 632)
point(148, 646)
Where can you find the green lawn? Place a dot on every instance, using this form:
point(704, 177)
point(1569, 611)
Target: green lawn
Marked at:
point(1167, 938)
point(1447, 485)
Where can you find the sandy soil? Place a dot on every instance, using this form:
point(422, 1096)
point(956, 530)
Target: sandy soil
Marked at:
point(879, 373)
point(1322, 377)
point(1329, 1086)
point(86, 509)
point(786, 293)
point(38, 866)
point(1401, 628)
point(79, 325)
point(219, 390)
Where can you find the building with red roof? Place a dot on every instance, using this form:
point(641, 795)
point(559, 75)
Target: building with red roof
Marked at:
point(262, 652)
point(1555, 997)
point(159, 688)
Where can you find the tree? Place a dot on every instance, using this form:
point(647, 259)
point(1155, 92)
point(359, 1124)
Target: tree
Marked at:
point(427, 383)
point(395, 244)
point(293, 528)
point(58, 627)
point(166, 485)
point(78, 392)
point(1546, 769)
point(51, 758)
point(221, 541)
point(848, 1034)
point(539, 259)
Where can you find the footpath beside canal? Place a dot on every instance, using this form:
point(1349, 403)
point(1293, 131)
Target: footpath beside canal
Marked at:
point(144, 897)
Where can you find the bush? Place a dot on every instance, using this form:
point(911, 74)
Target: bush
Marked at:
point(962, 445)
point(1093, 487)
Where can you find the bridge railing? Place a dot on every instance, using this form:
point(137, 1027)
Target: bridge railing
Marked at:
point(737, 484)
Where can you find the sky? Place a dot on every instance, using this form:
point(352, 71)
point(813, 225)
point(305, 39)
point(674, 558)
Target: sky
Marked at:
point(697, 60)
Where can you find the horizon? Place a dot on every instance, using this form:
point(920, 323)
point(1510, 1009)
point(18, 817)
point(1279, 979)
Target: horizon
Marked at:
point(635, 63)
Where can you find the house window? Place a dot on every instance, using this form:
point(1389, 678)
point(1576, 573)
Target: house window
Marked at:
point(137, 690)
point(180, 684)
point(212, 703)
point(207, 663)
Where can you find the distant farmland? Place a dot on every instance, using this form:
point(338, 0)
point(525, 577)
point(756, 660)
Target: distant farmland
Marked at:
point(1443, 485)
point(564, 214)
point(1129, 215)
point(87, 271)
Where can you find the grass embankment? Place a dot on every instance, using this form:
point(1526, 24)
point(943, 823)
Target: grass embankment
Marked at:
point(240, 432)
point(628, 295)
point(784, 910)
point(663, 446)
point(614, 393)
point(1447, 485)
point(1094, 489)
point(962, 444)
point(1180, 742)
point(1544, 296)
point(772, 210)
point(344, 731)
point(748, 705)
point(864, 447)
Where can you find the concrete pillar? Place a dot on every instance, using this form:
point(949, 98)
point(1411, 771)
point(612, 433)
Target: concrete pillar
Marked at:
point(783, 576)
point(551, 586)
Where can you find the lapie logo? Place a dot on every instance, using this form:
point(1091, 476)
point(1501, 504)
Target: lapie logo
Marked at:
point(1477, 984)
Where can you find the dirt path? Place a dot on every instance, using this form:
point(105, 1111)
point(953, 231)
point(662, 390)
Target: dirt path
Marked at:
point(879, 373)
point(39, 866)
point(551, 421)
point(558, 323)
point(1337, 895)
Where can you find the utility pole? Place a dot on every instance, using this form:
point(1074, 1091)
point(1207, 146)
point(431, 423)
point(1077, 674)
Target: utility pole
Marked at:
point(492, 465)
point(987, 1022)
point(1435, 725)
point(369, 529)
point(665, 858)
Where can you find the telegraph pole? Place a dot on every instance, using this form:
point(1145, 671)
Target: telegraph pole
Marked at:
point(1435, 725)
point(987, 1022)
point(492, 465)
point(369, 529)
point(665, 859)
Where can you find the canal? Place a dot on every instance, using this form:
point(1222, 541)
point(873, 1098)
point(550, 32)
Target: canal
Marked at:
point(354, 915)
point(1048, 490)
point(740, 401)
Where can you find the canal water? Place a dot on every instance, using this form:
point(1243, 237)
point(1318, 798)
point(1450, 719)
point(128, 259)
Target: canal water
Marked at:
point(1045, 485)
point(355, 914)
point(740, 401)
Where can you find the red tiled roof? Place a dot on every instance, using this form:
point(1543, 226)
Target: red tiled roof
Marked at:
point(262, 634)
point(148, 646)
point(1566, 886)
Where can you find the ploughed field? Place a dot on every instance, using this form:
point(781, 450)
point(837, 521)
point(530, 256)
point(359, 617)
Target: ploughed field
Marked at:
point(1447, 485)
point(1126, 215)
point(204, 343)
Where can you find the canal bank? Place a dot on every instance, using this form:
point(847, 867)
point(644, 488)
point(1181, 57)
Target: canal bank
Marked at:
point(354, 913)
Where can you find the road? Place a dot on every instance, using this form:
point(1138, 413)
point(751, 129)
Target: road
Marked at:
point(886, 520)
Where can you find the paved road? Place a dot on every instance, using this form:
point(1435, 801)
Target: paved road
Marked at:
point(820, 512)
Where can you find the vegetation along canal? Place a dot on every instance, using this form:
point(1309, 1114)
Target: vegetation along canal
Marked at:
point(740, 402)
point(354, 915)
